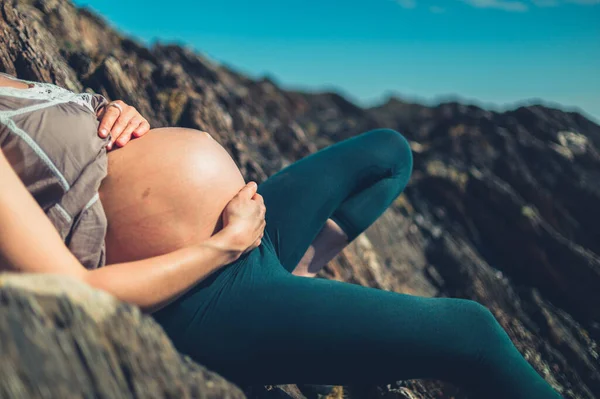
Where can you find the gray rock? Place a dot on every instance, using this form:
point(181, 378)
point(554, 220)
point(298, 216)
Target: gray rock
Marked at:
point(60, 338)
point(502, 208)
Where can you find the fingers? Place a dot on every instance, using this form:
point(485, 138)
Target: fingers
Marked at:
point(248, 190)
point(121, 125)
point(109, 116)
point(254, 245)
point(259, 240)
point(129, 113)
point(125, 135)
point(260, 229)
point(142, 129)
point(259, 198)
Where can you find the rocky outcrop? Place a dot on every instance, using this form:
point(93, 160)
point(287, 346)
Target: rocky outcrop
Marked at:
point(59, 338)
point(502, 208)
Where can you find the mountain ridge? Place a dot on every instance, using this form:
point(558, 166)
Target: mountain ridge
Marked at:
point(501, 207)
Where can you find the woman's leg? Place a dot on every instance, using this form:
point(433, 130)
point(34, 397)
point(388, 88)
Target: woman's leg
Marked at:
point(330, 241)
point(254, 322)
point(351, 182)
point(263, 325)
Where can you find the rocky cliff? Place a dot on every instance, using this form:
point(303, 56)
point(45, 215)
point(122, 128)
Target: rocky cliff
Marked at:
point(503, 208)
point(61, 339)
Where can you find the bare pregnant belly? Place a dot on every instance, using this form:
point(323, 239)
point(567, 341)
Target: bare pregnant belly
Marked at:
point(165, 190)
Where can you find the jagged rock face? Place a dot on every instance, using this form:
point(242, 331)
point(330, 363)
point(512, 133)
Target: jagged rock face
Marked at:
point(61, 339)
point(502, 208)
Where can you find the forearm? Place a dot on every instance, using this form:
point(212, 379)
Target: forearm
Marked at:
point(155, 282)
point(29, 243)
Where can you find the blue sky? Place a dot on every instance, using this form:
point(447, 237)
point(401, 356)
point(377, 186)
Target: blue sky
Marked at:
point(494, 53)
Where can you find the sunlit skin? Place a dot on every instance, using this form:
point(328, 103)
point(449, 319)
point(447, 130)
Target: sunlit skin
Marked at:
point(165, 190)
point(167, 187)
point(12, 83)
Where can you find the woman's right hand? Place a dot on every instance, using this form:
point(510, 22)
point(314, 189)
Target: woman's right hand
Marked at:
point(243, 221)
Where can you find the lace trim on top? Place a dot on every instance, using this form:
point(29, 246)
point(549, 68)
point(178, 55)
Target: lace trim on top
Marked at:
point(46, 91)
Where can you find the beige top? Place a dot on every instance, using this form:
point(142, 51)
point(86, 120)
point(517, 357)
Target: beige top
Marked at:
point(50, 137)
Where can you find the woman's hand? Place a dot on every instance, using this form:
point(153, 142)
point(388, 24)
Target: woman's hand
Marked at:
point(243, 221)
point(122, 125)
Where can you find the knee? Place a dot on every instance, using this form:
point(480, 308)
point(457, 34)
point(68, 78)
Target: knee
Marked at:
point(395, 150)
point(479, 315)
point(483, 332)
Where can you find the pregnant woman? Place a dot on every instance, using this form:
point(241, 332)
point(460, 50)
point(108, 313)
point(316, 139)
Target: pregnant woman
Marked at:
point(162, 218)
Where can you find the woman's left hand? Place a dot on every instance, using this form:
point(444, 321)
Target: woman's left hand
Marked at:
point(122, 125)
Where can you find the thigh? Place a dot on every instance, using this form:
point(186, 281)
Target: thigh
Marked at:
point(267, 326)
point(302, 196)
point(256, 323)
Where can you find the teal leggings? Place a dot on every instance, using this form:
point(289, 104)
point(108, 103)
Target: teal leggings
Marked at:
point(254, 322)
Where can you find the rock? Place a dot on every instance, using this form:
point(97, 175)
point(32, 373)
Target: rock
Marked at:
point(61, 338)
point(502, 208)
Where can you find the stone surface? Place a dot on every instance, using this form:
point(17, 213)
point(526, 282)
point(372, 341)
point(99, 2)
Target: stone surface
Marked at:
point(59, 338)
point(502, 208)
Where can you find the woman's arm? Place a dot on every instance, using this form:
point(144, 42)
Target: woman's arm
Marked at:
point(30, 243)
